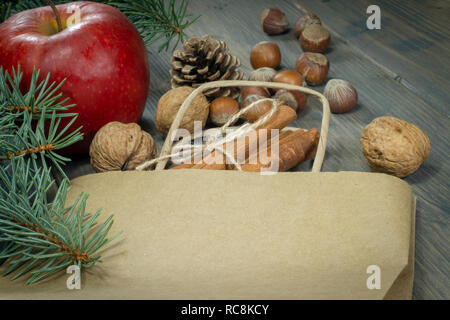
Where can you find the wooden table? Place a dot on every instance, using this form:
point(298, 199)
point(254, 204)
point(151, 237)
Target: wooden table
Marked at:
point(401, 70)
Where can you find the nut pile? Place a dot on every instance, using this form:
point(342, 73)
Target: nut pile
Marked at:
point(390, 145)
point(312, 66)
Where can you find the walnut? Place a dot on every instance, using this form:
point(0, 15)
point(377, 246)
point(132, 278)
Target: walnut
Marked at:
point(120, 146)
point(394, 146)
point(170, 103)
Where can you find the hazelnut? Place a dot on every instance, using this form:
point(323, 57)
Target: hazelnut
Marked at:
point(260, 91)
point(313, 66)
point(273, 21)
point(257, 110)
point(290, 77)
point(222, 109)
point(265, 54)
point(314, 38)
point(303, 21)
point(341, 95)
point(294, 99)
point(394, 146)
point(120, 146)
point(263, 74)
point(170, 103)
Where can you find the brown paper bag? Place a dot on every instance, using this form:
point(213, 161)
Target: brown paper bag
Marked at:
point(192, 234)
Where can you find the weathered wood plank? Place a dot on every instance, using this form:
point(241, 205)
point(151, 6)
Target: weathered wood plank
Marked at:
point(431, 18)
point(414, 55)
point(380, 93)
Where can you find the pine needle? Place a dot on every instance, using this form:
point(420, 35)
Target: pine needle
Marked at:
point(39, 237)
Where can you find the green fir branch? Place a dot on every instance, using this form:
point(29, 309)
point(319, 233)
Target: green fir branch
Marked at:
point(44, 238)
point(39, 237)
point(156, 20)
point(31, 122)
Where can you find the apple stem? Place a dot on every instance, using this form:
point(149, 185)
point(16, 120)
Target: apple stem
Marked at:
point(55, 11)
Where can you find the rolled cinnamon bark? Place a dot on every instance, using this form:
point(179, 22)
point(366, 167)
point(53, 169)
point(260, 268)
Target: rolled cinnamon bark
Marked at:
point(293, 149)
point(279, 120)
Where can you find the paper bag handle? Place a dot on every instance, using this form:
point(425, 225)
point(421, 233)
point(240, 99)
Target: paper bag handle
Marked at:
point(318, 160)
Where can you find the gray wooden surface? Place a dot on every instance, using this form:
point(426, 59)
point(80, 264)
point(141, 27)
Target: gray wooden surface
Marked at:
point(401, 70)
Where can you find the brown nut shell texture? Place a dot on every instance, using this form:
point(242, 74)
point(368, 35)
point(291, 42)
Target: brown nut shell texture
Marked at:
point(170, 103)
point(314, 38)
point(303, 21)
point(120, 146)
point(274, 21)
point(394, 146)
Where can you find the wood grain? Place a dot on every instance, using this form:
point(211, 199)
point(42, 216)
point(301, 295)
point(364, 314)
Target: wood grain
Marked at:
point(412, 45)
point(401, 70)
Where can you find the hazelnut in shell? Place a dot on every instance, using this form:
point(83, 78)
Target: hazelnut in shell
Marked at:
point(222, 109)
point(394, 146)
point(313, 66)
point(263, 74)
point(120, 146)
point(170, 103)
point(289, 77)
point(294, 99)
point(303, 21)
point(265, 54)
point(341, 95)
point(274, 21)
point(257, 110)
point(260, 91)
point(314, 38)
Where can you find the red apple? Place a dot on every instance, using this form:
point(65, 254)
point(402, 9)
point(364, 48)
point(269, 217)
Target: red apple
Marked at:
point(101, 55)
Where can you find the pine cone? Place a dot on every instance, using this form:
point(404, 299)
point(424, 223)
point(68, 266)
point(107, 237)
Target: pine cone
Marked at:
point(202, 61)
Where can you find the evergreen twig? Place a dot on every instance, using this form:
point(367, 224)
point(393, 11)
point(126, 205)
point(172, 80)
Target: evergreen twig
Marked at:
point(40, 237)
point(156, 20)
point(30, 122)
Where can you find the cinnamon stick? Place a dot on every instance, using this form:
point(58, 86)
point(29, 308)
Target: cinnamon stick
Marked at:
point(279, 120)
point(293, 149)
point(281, 137)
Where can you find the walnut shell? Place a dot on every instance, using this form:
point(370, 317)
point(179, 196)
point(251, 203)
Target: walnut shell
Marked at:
point(170, 103)
point(394, 146)
point(120, 146)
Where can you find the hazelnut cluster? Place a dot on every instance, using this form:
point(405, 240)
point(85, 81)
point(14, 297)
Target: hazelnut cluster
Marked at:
point(222, 109)
point(311, 67)
point(295, 99)
point(390, 145)
point(308, 29)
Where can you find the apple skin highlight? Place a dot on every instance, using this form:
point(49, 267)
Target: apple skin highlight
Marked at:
point(102, 57)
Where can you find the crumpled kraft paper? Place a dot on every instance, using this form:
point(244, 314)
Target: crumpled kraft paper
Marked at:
point(193, 234)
